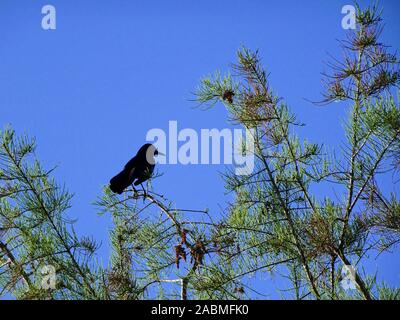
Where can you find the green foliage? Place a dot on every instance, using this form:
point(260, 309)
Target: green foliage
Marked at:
point(276, 224)
point(275, 212)
point(35, 231)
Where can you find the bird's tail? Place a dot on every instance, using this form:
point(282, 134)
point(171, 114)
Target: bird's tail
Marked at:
point(119, 182)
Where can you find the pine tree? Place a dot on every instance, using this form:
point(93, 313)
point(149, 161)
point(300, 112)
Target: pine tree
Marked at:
point(277, 223)
point(37, 239)
point(277, 220)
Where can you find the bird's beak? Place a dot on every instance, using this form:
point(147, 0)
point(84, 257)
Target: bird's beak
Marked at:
point(161, 154)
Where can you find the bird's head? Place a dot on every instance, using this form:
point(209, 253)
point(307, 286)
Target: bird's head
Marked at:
point(149, 151)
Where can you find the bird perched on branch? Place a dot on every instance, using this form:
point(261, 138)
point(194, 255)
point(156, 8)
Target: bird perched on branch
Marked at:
point(137, 170)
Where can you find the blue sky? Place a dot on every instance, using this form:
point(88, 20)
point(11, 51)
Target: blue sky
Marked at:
point(112, 70)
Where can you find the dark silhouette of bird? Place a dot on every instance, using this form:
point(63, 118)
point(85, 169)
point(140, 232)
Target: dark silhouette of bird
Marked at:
point(137, 170)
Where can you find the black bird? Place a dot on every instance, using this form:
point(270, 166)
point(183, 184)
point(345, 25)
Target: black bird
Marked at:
point(139, 168)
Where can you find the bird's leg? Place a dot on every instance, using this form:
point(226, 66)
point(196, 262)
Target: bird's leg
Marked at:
point(144, 191)
point(135, 192)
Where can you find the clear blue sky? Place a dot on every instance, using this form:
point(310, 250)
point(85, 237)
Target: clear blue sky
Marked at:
point(91, 89)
